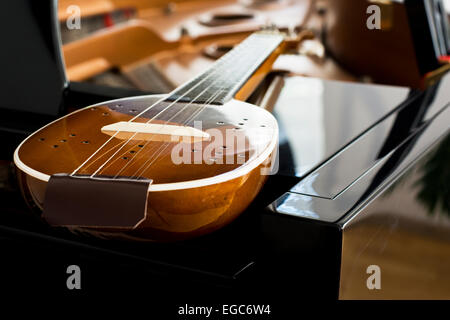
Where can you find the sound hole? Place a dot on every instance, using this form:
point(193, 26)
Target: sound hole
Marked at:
point(232, 16)
point(225, 18)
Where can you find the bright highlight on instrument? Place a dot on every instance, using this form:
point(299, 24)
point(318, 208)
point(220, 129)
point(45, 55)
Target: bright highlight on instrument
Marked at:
point(154, 132)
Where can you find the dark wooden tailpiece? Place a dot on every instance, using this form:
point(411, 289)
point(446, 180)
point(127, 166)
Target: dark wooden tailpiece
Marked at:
point(83, 201)
point(219, 83)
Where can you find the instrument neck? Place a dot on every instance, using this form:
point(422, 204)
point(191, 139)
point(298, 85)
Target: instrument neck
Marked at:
point(230, 73)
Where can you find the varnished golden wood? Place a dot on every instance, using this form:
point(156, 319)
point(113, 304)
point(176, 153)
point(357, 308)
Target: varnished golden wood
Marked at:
point(414, 263)
point(266, 67)
point(96, 7)
point(258, 76)
point(155, 35)
point(112, 48)
point(186, 198)
point(127, 44)
point(172, 214)
point(386, 55)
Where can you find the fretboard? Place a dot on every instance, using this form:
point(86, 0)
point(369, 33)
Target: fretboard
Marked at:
point(228, 74)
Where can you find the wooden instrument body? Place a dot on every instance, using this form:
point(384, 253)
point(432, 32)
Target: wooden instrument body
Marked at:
point(346, 27)
point(185, 200)
point(155, 37)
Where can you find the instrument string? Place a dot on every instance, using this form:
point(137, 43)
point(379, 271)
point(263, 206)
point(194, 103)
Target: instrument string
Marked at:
point(144, 167)
point(149, 140)
point(189, 119)
point(211, 98)
point(196, 113)
point(215, 67)
point(236, 66)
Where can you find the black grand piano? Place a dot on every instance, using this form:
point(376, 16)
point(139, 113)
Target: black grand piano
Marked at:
point(363, 186)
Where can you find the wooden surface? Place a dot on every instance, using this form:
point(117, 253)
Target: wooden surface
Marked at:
point(152, 34)
point(414, 264)
point(386, 56)
point(410, 244)
point(191, 209)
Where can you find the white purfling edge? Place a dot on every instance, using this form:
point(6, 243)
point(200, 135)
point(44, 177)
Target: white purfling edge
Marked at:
point(236, 173)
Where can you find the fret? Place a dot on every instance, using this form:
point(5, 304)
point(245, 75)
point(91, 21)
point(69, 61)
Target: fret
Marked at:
point(227, 75)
